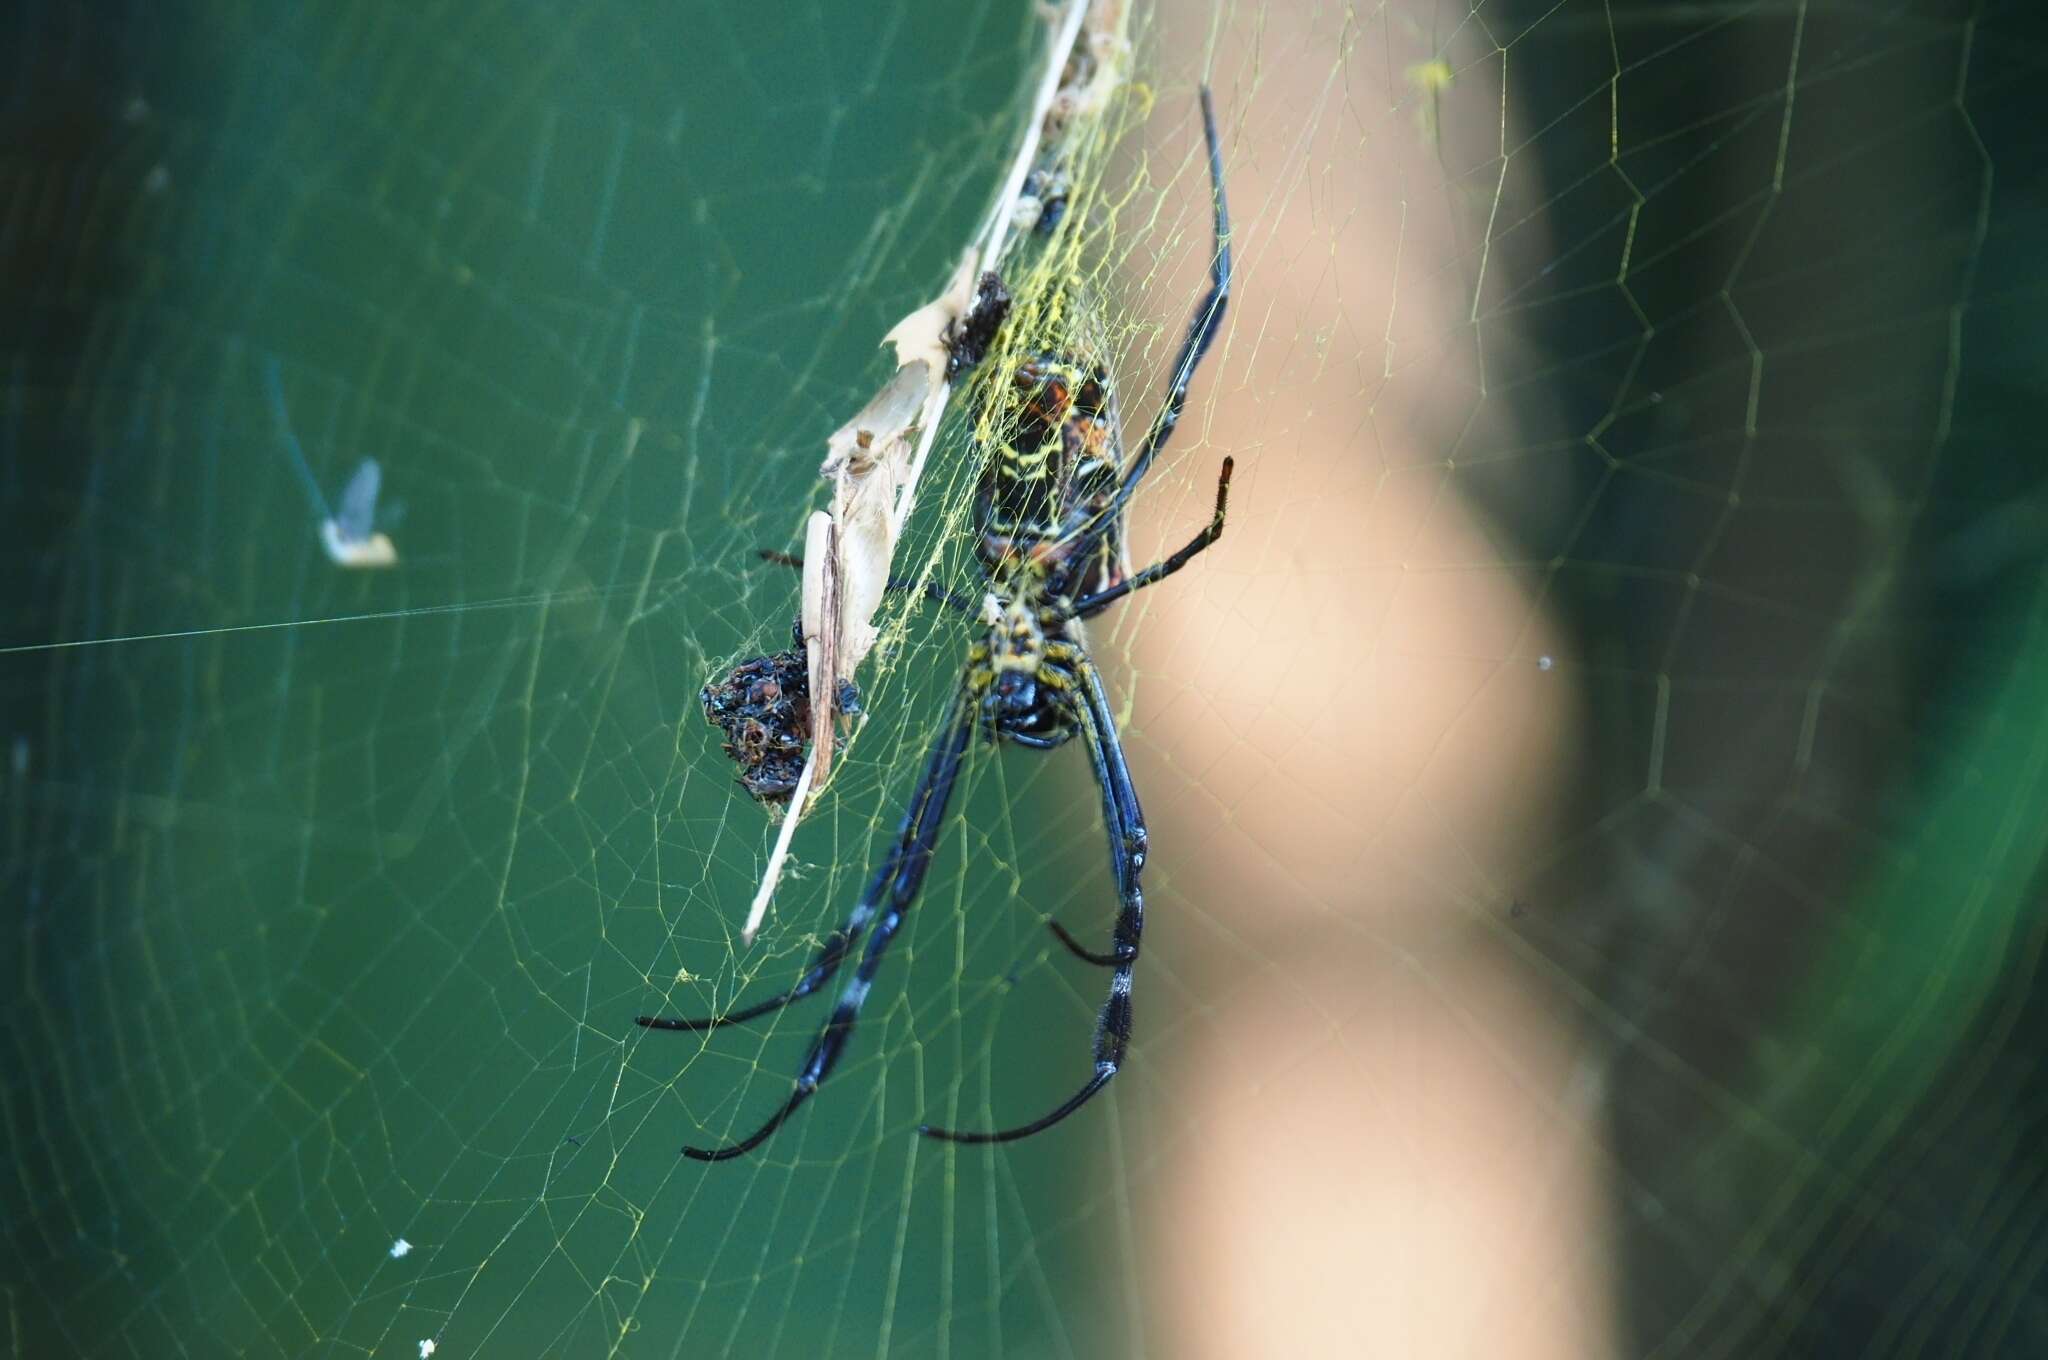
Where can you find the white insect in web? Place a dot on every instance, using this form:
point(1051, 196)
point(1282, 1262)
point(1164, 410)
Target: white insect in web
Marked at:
point(350, 534)
point(872, 465)
point(427, 1347)
point(400, 1248)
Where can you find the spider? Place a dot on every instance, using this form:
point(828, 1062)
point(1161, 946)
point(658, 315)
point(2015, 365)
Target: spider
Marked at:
point(1049, 512)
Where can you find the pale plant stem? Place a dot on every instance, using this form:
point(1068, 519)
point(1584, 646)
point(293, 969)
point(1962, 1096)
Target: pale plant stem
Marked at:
point(992, 238)
point(994, 233)
point(777, 857)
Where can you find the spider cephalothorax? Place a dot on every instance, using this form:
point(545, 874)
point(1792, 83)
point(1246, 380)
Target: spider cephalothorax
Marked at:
point(1006, 675)
point(1049, 517)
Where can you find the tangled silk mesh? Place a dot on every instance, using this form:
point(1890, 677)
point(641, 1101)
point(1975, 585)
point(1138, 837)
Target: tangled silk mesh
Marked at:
point(335, 892)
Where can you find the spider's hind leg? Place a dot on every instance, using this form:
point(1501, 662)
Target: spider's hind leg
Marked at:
point(905, 865)
point(894, 890)
point(1127, 840)
point(1122, 819)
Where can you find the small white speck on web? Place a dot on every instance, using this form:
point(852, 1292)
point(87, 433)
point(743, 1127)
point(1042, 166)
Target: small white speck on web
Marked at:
point(427, 1347)
point(1544, 663)
point(400, 1248)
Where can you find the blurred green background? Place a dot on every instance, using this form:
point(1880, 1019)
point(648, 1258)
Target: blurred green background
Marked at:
point(332, 934)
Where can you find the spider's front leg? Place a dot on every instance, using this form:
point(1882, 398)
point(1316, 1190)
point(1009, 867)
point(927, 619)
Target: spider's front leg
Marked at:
point(1202, 329)
point(1088, 606)
point(1067, 666)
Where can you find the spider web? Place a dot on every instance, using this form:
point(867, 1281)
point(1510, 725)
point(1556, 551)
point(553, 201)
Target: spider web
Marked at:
point(1619, 691)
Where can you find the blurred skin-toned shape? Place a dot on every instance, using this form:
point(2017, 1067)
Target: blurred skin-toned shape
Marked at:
point(1377, 1141)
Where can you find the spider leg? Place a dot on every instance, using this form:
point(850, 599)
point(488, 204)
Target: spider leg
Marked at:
point(1122, 818)
point(901, 876)
point(1202, 328)
point(907, 861)
point(1079, 950)
point(1088, 606)
point(1047, 742)
point(931, 590)
point(1127, 847)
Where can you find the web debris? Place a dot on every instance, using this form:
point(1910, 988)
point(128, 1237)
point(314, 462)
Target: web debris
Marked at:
point(349, 535)
point(870, 460)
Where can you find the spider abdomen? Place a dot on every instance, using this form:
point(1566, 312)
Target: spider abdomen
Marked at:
point(1046, 484)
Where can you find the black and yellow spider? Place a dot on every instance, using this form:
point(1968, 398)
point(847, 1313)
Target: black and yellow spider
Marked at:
point(1050, 517)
